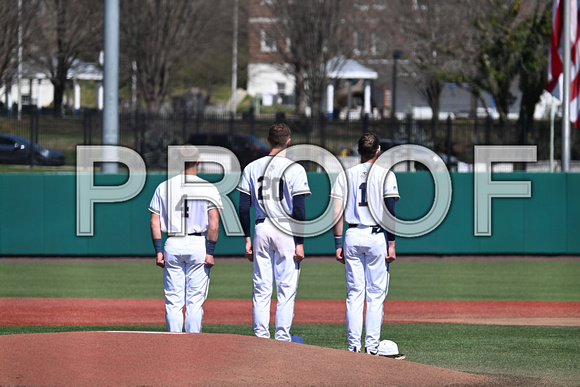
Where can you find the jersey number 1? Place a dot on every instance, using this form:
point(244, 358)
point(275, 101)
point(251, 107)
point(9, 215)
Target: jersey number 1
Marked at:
point(363, 195)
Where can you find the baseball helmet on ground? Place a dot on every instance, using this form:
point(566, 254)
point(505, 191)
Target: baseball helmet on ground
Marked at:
point(389, 348)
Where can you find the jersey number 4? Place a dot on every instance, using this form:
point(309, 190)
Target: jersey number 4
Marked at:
point(267, 184)
point(183, 206)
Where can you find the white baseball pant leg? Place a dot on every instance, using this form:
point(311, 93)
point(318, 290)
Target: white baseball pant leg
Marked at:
point(274, 260)
point(186, 282)
point(376, 284)
point(365, 272)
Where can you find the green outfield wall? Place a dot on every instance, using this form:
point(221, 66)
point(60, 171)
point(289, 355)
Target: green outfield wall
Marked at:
point(38, 217)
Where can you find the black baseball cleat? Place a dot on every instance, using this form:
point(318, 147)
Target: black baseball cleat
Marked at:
point(371, 352)
point(354, 349)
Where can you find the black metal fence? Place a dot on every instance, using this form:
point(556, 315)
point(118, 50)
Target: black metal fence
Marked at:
point(150, 134)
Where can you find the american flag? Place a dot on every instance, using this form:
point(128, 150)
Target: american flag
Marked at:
point(554, 83)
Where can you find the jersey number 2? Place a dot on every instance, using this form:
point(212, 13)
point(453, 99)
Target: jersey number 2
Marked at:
point(267, 184)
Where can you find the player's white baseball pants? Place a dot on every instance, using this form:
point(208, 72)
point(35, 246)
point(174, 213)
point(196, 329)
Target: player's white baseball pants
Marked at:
point(366, 270)
point(186, 282)
point(274, 259)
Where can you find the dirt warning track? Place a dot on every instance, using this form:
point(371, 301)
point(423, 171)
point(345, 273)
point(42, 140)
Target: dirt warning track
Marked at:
point(67, 311)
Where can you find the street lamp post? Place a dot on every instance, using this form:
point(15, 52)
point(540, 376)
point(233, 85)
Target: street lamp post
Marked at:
point(396, 55)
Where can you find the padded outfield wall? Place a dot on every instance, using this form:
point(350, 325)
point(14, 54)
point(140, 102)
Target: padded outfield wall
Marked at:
point(38, 217)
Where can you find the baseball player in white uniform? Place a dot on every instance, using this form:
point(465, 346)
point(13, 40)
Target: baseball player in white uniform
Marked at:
point(368, 249)
point(192, 230)
point(275, 254)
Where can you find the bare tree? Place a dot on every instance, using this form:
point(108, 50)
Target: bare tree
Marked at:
point(161, 36)
point(210, 64)
point(11, 20)
point(66, 31)
point(502, 42)
point(8, 38)
point(434, 34)
point(310, 33)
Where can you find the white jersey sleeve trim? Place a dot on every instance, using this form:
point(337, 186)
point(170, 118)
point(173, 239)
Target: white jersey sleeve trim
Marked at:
point(303, 192)
point(244, 190)
point(392, 195)
point(153, 210)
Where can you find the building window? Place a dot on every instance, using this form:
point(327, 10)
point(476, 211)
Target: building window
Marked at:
point(361, 43)
point(378, 45)
point(380, 5)
point(420, 5)
point(281, 88)
point(267, 40)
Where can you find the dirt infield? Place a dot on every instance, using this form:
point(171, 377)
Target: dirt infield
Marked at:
point(148, 358)
point(157, 359)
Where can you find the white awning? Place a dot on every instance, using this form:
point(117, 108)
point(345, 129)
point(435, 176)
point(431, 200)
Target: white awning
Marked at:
point(343, 68)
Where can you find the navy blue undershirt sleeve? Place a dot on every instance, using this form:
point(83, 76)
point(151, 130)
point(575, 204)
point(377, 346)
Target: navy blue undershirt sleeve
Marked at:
point(244, 212)
point(299, 213)
point(390, 203)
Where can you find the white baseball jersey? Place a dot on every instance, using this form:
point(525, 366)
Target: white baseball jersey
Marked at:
point(183, 208)
point(274, 179)
point(353, 190)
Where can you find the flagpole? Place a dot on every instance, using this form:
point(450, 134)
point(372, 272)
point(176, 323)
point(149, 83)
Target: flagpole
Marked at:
point(566, 91)
point(552, 115)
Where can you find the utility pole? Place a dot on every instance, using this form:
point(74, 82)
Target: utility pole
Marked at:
point(19, 76)
point(111, 84)
point(235, 59)
point(566, 91)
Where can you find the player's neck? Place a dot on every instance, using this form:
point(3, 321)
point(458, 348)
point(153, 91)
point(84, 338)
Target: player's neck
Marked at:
point(191, 171)
point(371, 160)
point(278, 152)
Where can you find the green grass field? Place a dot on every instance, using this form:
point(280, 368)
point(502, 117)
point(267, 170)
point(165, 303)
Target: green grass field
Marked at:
point(533, 355)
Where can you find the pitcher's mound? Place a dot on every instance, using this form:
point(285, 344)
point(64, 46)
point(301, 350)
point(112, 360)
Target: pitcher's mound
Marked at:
point(164, 359)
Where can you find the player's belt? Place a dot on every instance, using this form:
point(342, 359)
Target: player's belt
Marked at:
point(376, 229)
point(190, 234)
point(258, 221)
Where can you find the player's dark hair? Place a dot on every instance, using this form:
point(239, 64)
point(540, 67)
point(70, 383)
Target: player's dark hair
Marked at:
point(368, 144)
point(278, 135)
point(189, 152)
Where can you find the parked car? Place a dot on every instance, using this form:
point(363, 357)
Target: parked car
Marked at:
point(16, 150)
point(247, 148)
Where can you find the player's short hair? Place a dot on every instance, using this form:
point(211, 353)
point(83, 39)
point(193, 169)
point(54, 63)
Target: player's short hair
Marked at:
point(185, 152)
point(278, 135)
point(368, 144)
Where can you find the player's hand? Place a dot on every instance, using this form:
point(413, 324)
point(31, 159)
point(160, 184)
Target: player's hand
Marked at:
point(340, 255)
point(160, 260)
point(209, 261)
point(299, 253)
point(391, 253)
point(249, 251)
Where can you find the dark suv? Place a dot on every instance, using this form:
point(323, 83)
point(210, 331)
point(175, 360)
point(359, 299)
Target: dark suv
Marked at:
point(247, 148)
